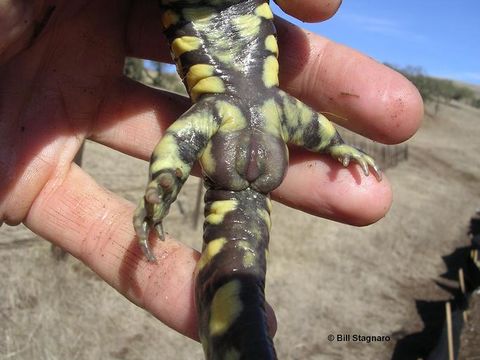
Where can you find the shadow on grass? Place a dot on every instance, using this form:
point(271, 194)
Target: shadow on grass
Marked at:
point(432, 342)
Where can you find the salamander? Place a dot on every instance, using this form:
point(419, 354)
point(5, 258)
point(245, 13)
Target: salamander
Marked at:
point(238, 128)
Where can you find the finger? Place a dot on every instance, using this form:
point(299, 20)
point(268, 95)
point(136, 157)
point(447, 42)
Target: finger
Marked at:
point(131, 124)
point(145, 38)
point(320, 185)
point(368, 97)
point(96, 227)
point(133, 117)
point(310, 10)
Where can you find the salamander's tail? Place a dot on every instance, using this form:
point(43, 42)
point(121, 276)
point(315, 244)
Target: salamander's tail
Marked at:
point(230, 281)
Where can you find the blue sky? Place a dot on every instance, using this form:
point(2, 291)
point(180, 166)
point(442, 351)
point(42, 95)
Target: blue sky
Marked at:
point(442, 37)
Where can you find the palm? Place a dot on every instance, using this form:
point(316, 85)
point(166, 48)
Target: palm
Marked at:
point(51, 94)
point(68, 85)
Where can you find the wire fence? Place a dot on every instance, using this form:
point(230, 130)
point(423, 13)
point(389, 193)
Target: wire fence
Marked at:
point(386, 156)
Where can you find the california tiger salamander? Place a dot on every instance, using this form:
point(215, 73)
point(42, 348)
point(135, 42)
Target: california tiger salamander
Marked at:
point(238, 127)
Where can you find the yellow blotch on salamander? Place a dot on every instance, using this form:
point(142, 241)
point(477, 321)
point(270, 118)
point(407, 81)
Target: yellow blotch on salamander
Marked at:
point(270, 71)
point(265, 216)
point(199, 14)
point(291, 111)
point(212, 249)
point(198, 72)
point(210, 85)
point(207, 160)
point(327, 131)
point(264, 11)
point(249, 255)
point(248, 25)
point(218, 210)
point(272, 113)
point(167, 156)
point(169, 18)
point(232, 117)
point(269, 204)
point(226, 307)
point(271, 44)
point(202, 122)
point(185, 44)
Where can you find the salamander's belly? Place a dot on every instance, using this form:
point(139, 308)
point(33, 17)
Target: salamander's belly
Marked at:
point(243, 158)
point(226, 53)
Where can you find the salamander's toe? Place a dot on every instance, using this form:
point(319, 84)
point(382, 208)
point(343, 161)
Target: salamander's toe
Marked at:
point(142, 229)
point(345, 153)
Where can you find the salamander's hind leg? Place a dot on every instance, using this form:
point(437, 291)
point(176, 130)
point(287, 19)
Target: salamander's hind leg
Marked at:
point(170, 166)
point(304, 127)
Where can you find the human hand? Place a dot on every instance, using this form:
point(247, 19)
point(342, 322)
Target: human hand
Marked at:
point(67, 85)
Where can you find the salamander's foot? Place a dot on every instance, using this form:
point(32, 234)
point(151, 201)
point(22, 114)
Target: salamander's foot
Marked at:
point(344, 153)
point(161, 192)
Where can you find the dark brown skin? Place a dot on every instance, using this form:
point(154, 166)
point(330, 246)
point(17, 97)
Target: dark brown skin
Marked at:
point(68, 85)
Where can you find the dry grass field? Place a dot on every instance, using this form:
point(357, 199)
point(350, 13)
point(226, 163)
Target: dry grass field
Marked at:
point(337, 279)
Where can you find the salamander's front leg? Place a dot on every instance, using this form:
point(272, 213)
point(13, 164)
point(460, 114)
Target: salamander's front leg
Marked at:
point(304, 127)
point(170, 166)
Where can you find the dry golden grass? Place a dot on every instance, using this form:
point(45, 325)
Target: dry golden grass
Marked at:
point(323, 277)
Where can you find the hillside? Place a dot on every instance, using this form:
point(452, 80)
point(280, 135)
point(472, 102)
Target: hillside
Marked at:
point(324, 278)
point(473, 87)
